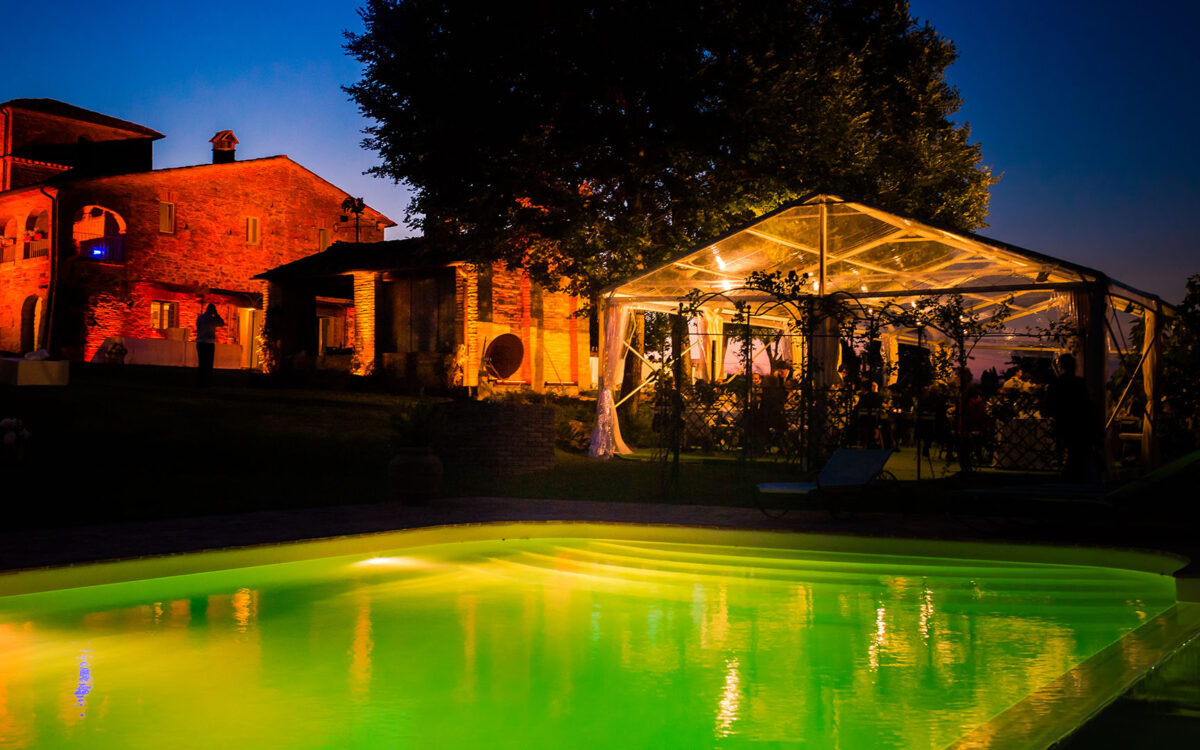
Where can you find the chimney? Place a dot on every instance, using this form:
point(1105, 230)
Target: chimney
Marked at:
point(223, 144)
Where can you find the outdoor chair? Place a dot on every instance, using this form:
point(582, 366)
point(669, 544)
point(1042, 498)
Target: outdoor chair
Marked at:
point(846, 468)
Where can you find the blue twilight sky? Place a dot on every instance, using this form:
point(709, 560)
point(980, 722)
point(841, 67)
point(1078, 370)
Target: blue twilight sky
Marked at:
point(1086, 109)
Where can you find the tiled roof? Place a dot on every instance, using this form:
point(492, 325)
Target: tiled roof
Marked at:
point(62, 109)
point(346, 257)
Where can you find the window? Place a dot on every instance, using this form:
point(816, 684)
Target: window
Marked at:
point(164, 315)
point(166, 218)
point(322, 239)
point(252, 235)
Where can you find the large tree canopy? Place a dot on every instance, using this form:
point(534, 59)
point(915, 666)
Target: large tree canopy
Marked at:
point(591, 140)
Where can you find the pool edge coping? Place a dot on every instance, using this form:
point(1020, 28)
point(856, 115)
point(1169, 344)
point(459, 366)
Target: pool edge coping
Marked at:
point(41, 578)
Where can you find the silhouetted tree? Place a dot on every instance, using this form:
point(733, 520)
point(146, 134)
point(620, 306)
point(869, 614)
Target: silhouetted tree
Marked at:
point(592, 140)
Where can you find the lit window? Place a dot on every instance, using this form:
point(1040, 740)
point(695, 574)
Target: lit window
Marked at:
point(252, 235)
point(166, 218)
point(164, 315)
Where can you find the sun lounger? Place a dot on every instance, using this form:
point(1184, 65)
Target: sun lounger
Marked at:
point(847, 467)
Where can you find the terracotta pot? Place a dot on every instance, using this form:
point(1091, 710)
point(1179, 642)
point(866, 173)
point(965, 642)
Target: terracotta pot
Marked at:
point(415, 475)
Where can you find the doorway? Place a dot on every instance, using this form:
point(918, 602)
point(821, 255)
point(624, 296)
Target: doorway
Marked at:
point(250, 322)
point(31, 323)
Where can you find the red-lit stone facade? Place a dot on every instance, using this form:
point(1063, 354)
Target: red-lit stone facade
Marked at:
point(138, 255)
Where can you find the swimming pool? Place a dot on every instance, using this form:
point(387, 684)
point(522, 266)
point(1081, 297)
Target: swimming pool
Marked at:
point(577, 635)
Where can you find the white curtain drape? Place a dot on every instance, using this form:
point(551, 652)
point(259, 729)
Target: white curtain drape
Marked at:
point(716, 337)
point(701, 354)
point(606, 437)
point(891, 356)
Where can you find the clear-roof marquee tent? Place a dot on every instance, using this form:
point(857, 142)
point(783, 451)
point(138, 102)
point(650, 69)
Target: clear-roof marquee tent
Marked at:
point(874, 257)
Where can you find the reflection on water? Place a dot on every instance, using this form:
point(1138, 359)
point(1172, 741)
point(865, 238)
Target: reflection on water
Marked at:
point(83, 685)
point(554, 643)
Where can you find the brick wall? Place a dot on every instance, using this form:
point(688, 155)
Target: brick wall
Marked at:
point(564, 343)
point(558, 341)
point(495, 438)
point(128, 311)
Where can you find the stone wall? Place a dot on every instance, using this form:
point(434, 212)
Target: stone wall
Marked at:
point(494, 438)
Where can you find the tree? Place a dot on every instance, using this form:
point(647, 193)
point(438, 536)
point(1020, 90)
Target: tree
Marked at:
point(592, 140)
point(355, 206)
point(1180, 363)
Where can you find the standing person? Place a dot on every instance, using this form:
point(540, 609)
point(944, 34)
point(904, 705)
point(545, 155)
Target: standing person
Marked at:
point(206, 343)
point(1067, 403)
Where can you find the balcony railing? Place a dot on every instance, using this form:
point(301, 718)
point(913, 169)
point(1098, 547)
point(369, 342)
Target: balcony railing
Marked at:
point(37, 248)
point(103, 249)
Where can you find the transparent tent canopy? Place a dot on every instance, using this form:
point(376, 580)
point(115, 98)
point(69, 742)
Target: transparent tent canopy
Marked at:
point(852, 249)
point(871, 259)
point(867, 252)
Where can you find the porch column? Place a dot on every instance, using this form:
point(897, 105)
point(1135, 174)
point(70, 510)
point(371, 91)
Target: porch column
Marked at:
point(537, 337)
point(1151, 349)
point(606, 437)
point(366, 293)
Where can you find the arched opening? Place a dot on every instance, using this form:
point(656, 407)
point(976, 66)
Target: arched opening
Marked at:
point(99, 234)
point(31, 323)
point(37, 235)
point(9, 237)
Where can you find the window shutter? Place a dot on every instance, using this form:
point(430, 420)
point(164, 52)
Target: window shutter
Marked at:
point(166, 218)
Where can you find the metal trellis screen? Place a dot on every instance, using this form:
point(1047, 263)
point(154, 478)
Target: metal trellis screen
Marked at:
point(778, 418)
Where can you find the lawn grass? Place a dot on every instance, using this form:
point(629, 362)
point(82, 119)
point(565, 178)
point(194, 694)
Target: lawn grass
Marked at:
point(111, 448)
point(577, 477)
point(145, 443)
point(125, 443)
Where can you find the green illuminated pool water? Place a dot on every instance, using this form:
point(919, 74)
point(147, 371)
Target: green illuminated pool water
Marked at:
point(557, 643)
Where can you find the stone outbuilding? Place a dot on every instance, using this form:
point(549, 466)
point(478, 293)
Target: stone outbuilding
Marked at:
point(430, 322)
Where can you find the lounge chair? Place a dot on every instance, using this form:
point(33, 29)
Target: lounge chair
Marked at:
point(847, 467)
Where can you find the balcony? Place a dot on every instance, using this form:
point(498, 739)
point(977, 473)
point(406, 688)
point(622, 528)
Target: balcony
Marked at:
point(102, 249)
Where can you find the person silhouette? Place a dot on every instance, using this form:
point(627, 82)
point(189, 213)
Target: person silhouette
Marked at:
point(1068, 405)
point(206, 343)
